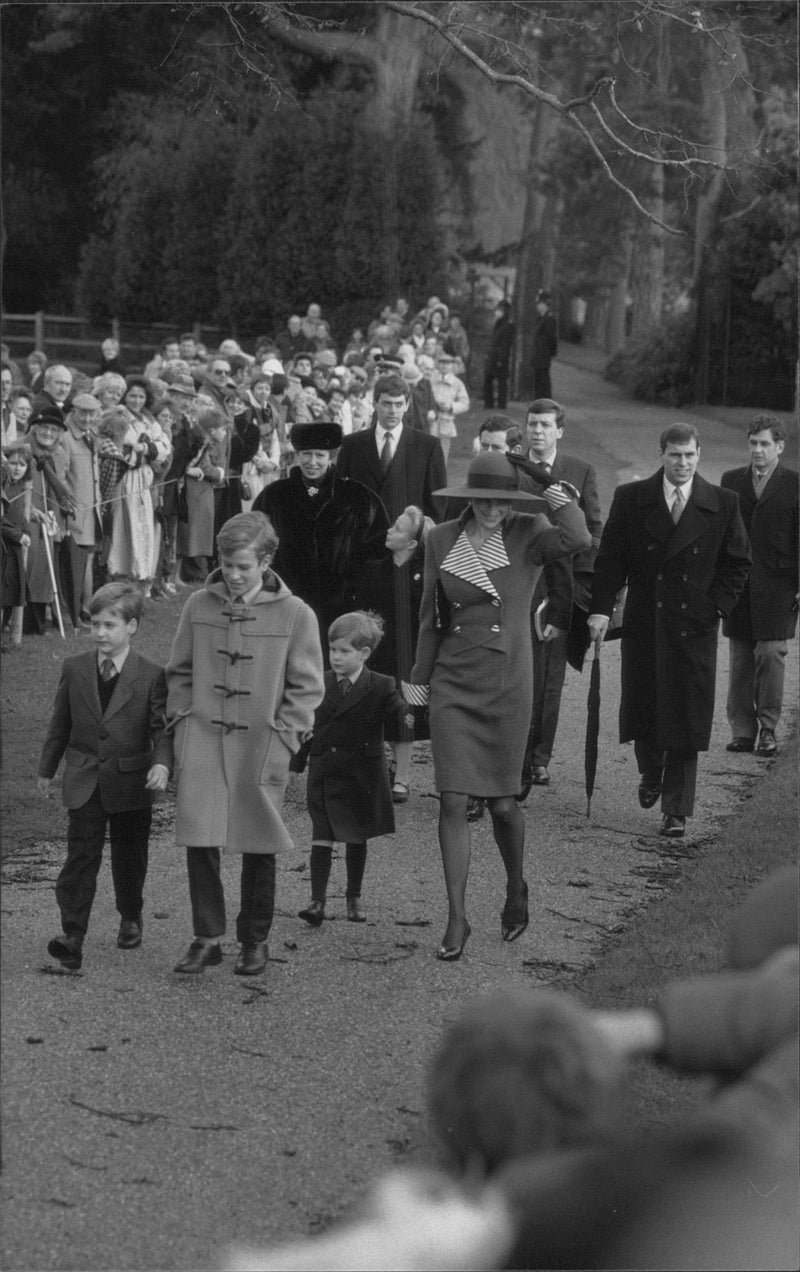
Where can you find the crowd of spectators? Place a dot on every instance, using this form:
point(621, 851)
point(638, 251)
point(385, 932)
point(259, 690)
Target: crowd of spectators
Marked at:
point(128, 475)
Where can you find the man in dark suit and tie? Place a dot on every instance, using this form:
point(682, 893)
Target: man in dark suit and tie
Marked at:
point(765, 616)
point(567, 590)
point(680, 545)
point(402, 465)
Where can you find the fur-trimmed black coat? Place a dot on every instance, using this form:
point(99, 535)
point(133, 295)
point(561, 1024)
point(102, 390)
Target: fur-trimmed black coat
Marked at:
point(326, 540)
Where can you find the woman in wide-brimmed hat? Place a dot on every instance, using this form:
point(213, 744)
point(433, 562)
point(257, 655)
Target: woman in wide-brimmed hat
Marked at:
point(474, 666)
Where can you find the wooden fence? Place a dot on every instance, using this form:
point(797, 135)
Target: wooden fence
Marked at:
point(77, 341)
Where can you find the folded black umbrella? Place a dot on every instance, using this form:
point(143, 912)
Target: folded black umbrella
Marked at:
point(590, 751)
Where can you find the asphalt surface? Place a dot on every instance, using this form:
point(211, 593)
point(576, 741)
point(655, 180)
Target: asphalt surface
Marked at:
point(148, 1120)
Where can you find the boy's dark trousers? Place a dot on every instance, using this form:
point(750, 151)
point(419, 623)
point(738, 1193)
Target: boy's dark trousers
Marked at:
point(257, 895)
point(75, 888)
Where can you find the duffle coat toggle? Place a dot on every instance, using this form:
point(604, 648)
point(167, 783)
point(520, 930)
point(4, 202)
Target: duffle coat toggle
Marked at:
point(233, 693)
point(239, 616)
point(235, 655)
point(230, 725)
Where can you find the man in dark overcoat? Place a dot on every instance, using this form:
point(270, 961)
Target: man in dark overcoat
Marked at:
point(402, 468)
point(765, 616)
point(498, 357)
point(568, 598)
point(545, 346)
point(680, 545)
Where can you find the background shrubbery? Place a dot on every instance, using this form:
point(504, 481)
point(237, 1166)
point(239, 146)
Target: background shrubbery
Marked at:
point(660, 368)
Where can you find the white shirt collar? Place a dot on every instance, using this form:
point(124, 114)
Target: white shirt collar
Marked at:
point(765, 476)
point(669, 491)
point(118, 660)
point(549, 459)
point(381, 433)
point(353, 678)
point(248, 597)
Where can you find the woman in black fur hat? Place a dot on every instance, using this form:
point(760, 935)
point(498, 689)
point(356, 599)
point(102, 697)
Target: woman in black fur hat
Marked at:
point(330, 527)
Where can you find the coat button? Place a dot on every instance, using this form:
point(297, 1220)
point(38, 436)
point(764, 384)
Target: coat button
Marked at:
point(659, 577)
point(684, 605)
point(494, 628)
point(333, 750)
point(684, 633)
point(659, 604)
point(685, 578)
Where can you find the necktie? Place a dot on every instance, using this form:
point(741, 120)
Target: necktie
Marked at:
point(386, 451)
point(677, 506)
point(344, 686)
point(107, 670)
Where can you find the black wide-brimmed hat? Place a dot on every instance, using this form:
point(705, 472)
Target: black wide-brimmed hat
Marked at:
point(321, 435)
point(490, 476)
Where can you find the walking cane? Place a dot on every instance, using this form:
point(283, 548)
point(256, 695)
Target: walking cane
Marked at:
point(19, 610)
point(49, 555)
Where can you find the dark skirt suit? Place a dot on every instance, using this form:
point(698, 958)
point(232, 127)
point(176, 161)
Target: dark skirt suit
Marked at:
point(474, 650)
point(348, 791)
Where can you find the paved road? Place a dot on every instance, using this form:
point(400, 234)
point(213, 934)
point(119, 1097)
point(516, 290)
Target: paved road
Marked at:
point(148, 1120)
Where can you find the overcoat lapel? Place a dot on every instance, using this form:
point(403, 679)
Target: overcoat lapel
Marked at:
point(693, 524)
point(372, 457)
point(359, 690)
point(772, 487)
point(657, 521)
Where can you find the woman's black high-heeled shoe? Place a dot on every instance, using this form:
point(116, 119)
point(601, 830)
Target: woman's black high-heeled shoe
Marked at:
point(452, 953)
point(514, 918)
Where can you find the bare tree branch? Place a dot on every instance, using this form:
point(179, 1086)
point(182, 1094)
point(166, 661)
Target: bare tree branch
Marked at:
point(568, 111)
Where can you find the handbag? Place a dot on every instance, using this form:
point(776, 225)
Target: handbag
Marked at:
point(441, 609)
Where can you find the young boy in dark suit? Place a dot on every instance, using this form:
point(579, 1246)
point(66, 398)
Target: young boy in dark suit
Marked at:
point(109, 725)
point(349, 797)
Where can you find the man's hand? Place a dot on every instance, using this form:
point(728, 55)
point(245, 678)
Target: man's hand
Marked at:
point(636, 1032)
point(550, 632)
point(598, 626)
point(44, 786)
point(157, 778)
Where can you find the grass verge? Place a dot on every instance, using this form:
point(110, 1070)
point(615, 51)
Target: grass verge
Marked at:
point(684, 932)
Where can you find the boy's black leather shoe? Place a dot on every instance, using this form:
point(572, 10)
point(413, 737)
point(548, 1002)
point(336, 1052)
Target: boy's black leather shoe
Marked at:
point(354, 912)
point(314, 913)
point(129, 936)
point(252, 959)
point(68, 950)
point(199, 956)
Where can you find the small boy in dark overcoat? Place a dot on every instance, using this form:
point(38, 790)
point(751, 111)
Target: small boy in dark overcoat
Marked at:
point(109, 725)
point(349, 797)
